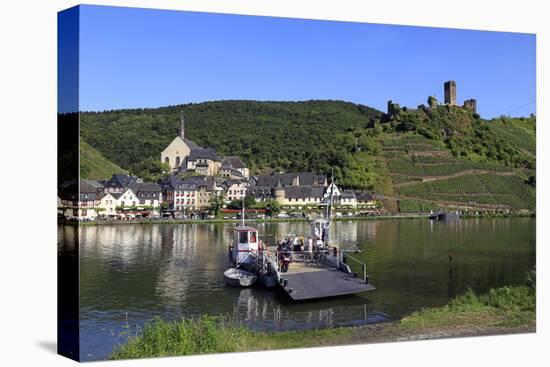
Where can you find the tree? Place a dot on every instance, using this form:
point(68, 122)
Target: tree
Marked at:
point(235, 204)
point(216, 203)
point(272, 206)
point(408, 123)
point(432, 101)
point(377, 129)
point(249, 201)
point(150, 169)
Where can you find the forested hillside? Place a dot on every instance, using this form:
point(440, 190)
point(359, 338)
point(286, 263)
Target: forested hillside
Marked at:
point(419, 159)
point(266, 135)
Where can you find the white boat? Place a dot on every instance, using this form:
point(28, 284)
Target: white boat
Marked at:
point(244, 255)
point(239, 278)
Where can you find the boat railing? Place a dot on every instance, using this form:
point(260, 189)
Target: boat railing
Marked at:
point(318, 255)
point(355, 264)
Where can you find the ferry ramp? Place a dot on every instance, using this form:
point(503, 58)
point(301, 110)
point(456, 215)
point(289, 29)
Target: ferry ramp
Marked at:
point(303, 282)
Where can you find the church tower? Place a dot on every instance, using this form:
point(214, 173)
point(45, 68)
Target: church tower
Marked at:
point(279, 193)
point(182, 128)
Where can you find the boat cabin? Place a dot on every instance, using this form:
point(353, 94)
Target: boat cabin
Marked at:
point(245, 242)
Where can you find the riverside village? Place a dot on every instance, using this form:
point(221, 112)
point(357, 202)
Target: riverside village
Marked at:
point(204, 185)
point(200, 184)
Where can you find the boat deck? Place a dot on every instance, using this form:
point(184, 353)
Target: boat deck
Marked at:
point(319, 281)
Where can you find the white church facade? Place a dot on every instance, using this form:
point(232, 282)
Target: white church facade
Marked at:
point(178, 150)
point(183, 154)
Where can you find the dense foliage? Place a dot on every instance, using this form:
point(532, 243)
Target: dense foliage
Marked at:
point(266, 135)
point(504, 140)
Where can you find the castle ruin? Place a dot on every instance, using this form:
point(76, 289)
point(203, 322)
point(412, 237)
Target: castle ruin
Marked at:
point(450, 92)
point(470, 104)
point(449, 89)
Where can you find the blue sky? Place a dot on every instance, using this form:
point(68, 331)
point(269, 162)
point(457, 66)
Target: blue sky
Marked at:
point(132, 58)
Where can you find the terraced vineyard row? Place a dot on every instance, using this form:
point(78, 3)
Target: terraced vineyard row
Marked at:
point(475, 189)
point(445, 167)
point(401, 179)
point(411, 139)
point(421, 159)
point(519, 137)
point(411, 206)
point(412, 158)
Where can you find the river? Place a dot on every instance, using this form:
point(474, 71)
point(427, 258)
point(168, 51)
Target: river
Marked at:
point(130, 274)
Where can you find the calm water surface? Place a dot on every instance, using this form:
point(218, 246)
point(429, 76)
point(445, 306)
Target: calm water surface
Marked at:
point(132, 273)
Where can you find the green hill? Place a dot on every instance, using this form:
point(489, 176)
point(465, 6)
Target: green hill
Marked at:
point(267, 135)
point(93, 165)
point(419, 159)
point(449, 157)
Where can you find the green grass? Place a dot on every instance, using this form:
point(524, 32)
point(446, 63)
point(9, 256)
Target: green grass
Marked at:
point(215, 335)
point(501, 307)
point(93, 165)
point(505, 307)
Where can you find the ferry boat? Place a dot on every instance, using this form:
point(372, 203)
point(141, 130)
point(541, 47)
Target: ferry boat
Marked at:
point(304, 269)
point(249, 259)
point(449, 216)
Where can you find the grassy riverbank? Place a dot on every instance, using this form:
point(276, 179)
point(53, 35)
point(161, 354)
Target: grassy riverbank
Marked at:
point(502, 310)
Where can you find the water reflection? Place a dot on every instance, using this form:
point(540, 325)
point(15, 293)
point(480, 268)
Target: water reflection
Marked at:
point(175, 271)
point(261, 310)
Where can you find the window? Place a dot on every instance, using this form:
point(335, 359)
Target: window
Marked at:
point(178, 161)
point(243, 237)
point(167, 160)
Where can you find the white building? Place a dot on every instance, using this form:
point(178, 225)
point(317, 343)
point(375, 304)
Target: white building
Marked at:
point(348, 199)
point(176, 153)
point(108, 204)
point(231, 165)
point(126, 199)
point(185, 197)
point(236, 190)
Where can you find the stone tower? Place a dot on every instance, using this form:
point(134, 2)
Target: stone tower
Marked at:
point(470, 104)
point(182, 128)
point(279, 193)
point(450, 92)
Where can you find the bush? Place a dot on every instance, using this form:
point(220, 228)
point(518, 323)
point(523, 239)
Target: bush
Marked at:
point(161, 338)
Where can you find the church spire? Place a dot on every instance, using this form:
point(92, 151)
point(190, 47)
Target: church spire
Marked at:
point(182, 127)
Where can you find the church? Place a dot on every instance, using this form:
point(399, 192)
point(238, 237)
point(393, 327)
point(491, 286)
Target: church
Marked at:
point(184, 155)
point(177, 152)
